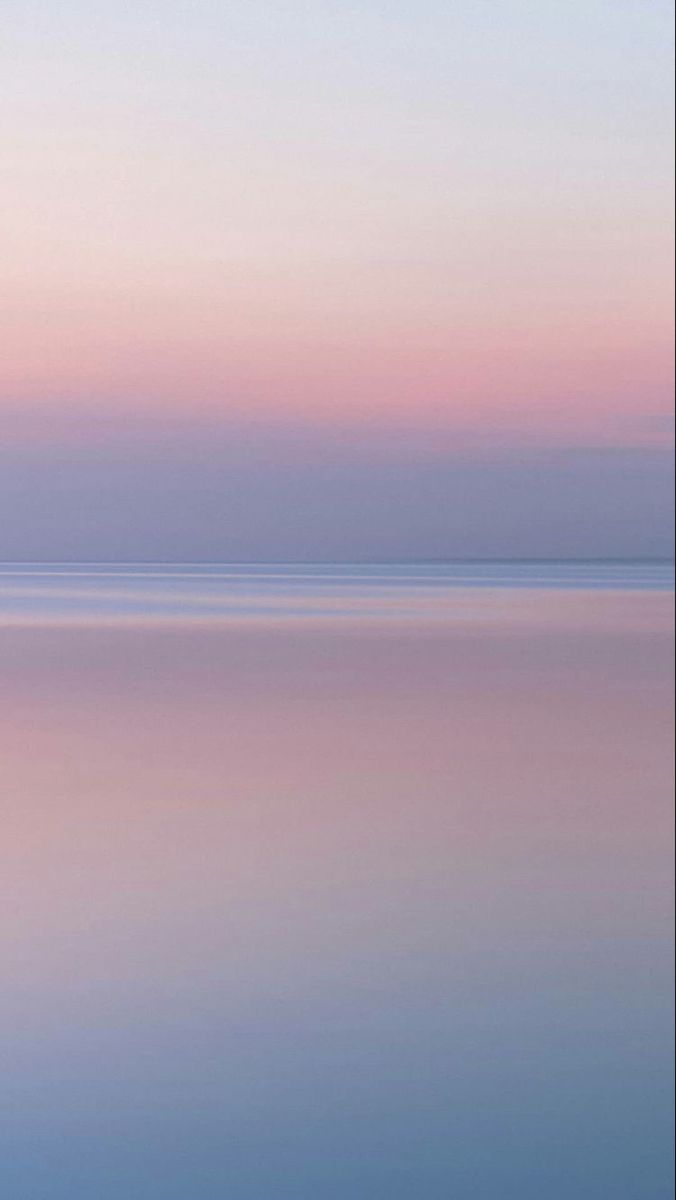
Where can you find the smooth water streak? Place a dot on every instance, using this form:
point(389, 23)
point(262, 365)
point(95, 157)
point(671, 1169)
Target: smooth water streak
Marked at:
point(123, 592)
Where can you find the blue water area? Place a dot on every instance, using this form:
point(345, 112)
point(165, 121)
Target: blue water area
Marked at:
point(217, 590)
point(345, 910)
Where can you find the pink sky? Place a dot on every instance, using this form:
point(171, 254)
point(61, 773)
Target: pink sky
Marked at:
point(451, 225)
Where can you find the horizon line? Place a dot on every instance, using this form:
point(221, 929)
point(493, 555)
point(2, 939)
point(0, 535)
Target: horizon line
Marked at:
point(661, 560)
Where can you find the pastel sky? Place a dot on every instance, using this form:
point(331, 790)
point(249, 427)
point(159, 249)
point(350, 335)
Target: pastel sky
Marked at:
point(286, 279)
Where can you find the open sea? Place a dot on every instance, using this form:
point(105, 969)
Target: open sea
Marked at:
point(336, 882)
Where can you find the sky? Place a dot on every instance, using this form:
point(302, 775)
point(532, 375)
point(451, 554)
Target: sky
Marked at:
point(335, 279)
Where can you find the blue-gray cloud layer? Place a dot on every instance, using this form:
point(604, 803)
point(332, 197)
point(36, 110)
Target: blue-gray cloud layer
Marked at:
point(162, 492)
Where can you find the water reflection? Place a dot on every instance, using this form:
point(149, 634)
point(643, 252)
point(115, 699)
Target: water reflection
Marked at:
point(351, 909)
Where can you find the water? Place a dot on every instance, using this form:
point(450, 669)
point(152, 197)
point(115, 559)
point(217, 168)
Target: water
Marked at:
point(444, 591)
point(335, 882)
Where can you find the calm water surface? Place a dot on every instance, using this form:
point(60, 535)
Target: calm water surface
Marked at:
point(335, 883)
point(200, 591)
